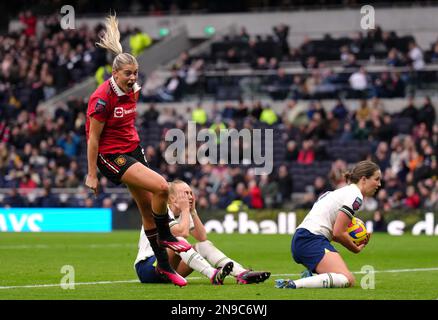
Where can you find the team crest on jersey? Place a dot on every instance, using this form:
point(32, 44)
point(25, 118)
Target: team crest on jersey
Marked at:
point(357, 203)
point(100, 106)
point(120, 160)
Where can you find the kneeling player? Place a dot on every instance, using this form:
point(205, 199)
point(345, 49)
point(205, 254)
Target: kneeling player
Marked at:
point(328, 220)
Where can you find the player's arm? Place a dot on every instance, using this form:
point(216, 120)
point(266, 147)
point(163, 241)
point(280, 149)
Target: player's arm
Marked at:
point(340, 233)
point(198, 232)
point(182, 228)
point(96, 128)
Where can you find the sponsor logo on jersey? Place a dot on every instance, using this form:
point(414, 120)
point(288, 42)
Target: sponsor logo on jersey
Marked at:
point(357, 203)
point(119, 112)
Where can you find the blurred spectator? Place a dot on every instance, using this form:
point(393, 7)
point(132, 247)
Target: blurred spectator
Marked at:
point(361, 131)
point(27, 184)
point(410, 111)
point(291, 151)
point(269, 189)
point(320, 186)
point(339, 110)
point(14, 200)
point(381, 156)
point(268, 116)
point(255, 195)
point(226, 196)
point(102, 74)
point(415, 55)
point(427, 114)
point(47, 199)
point(394, 58)
point(108, 203)
point(307, 154)
point(336, 174)
point(284, 184)
point(379, 224)
point(359, 83)
point(412, 200)
point(172, 89)
point(150, 115)
point(70, 144)
point(29, 21)
point(139, 41)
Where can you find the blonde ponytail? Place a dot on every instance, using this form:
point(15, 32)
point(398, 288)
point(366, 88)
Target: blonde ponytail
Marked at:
point(110, 40)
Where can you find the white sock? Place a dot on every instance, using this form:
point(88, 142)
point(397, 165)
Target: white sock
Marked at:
point(216, 257)
point(195, 261)
point(324, 280)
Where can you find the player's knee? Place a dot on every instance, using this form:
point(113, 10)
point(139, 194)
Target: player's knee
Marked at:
point(163, 188)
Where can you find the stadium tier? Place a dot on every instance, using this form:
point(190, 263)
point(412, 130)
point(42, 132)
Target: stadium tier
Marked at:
point(329, 93)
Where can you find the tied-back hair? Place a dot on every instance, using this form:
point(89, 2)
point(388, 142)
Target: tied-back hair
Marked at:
point(364, 168)
point(173, 184)
point(110, 40)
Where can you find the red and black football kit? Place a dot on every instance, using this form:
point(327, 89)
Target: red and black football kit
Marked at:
point(119, 142)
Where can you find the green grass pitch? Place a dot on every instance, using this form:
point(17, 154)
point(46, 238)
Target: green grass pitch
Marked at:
point(406, 268)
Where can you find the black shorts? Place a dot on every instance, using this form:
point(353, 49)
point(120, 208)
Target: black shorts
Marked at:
point(113, 166)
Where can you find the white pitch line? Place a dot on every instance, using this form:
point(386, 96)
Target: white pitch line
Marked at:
point(75, 284)
point(197, 278)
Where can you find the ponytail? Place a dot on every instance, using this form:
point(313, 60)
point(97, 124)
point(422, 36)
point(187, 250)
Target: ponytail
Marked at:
point(110, 40)
point(347, 176)
point(364, 168)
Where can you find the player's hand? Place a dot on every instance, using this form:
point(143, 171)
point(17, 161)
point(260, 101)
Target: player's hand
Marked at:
point(92, 183)
point(182, 201)
point(193, 206)
point(367, 238)
point(360, 247)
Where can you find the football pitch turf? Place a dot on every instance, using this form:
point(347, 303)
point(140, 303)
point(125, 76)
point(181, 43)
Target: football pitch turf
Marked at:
point(406, 267)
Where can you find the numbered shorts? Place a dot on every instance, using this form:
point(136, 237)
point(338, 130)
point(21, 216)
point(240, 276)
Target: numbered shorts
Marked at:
point(146, 271)
point(308, 249)
point(113, 166)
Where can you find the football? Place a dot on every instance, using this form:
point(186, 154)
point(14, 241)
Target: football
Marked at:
point(357, 231)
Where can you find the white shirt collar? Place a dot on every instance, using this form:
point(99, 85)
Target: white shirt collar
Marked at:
point(119, 91)
point(170, 212)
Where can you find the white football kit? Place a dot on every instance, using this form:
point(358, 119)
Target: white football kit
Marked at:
point(321, 218)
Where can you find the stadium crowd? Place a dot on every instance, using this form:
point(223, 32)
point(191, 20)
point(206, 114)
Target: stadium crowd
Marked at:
point(41, 151)
point(38, 150)
point(330, 67)
point(35, 68)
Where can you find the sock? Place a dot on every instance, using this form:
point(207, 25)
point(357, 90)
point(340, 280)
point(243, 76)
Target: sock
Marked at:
point(324, 280)
point(162, 223)
point(195, 261)
point(216, 257)
point(160, 252)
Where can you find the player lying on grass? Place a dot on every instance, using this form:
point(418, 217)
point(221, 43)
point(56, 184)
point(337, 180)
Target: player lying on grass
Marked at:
point(206, 258)
point(328, 220)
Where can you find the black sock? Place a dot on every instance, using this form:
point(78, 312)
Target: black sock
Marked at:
point(160, 252)
point(162, 223)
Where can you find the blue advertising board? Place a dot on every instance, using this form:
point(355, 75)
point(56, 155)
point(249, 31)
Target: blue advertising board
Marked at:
point(55, 220)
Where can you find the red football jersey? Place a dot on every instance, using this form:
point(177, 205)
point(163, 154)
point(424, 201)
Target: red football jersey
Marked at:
point(118, 110)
